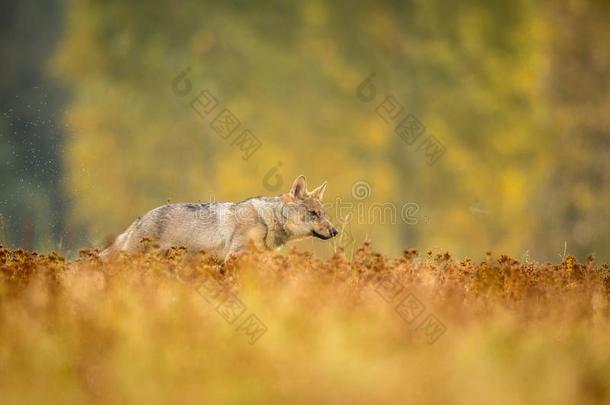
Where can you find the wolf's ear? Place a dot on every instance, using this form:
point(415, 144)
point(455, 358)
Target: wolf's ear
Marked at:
point(319, 192)
point(299, 188)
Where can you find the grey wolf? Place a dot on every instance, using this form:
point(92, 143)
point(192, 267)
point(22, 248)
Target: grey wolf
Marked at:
point(224, 229)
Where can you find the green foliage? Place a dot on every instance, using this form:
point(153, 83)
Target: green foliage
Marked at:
point(31, 199)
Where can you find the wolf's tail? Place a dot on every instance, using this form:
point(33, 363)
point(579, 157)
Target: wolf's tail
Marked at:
point(119, 244)
point(110, 251)
point(107, 253)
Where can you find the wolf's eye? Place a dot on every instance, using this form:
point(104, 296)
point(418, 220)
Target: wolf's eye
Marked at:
point(314, 214)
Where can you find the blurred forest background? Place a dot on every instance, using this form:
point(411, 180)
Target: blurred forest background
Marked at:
point(92, 133)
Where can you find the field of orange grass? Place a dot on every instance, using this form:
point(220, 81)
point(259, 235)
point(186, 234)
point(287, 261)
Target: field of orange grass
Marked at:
point(271, 328)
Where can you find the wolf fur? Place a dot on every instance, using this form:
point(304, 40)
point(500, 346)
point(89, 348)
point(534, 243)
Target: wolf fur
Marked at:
point(224, 229)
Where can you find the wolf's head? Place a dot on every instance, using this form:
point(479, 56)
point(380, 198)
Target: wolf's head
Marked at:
point(304, 212)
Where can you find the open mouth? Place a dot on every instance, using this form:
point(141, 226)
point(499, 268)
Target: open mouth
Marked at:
point(319, 235)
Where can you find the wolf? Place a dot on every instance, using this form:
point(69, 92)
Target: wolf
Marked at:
point(225, 229)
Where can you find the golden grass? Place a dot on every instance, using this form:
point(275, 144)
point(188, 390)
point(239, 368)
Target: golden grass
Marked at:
point(152, 329)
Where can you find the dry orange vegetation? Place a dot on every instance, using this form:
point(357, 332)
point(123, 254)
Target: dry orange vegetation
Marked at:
point(296, 329)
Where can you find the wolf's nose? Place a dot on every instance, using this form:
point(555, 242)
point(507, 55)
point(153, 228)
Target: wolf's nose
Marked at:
point(334, 232)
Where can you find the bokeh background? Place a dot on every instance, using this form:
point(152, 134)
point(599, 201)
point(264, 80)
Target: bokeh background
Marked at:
point(93, 134)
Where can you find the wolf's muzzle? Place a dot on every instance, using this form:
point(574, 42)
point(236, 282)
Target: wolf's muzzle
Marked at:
point(332, 233)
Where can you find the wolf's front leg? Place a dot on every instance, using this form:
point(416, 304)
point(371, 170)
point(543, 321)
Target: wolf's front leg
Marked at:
point(247, 234)
point(241, 246)
point(234, 252)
